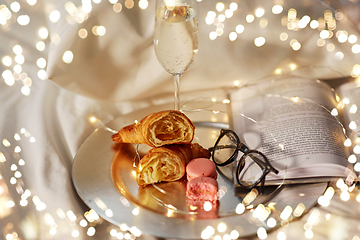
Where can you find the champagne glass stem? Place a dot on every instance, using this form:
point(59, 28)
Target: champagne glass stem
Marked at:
point(177, 91)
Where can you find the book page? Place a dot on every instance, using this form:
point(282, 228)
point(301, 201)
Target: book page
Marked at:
point(290, 121)
point(350, 96)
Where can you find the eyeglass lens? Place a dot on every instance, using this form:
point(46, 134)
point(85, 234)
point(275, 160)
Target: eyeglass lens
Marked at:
point(252, 172)
point(226, 147)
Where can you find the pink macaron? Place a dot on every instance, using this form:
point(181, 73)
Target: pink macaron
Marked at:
point(202, 189)
point(201, 167)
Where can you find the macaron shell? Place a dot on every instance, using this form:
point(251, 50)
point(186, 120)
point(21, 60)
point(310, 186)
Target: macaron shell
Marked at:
point(201, 167)
point(202, 189)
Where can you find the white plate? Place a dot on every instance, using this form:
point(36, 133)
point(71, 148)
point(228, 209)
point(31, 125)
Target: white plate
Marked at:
point(164, 213)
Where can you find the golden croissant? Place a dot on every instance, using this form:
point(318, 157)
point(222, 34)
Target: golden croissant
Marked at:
point(158, 129)
point(167, 163)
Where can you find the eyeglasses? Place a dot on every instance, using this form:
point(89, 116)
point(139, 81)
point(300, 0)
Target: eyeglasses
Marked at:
point(251, 168)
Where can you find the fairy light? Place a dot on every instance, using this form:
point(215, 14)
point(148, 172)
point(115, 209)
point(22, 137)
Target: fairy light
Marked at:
point(258, 211)
point(259, 12)
point(271, 222)
point(207, 232)
point(233, 6)
point(41, 63)
point(17, 68)
point(75, 233)
point(309, 234)
point(100, 31)
point(285, 214)
point(320, 42)
point(68, 57)
point(170, 211)
point(71, 216)
point(353, 108)
point(347, 142)
point(345, 196)
point(6, 143)
point(352, 39)
point(2, 159)
point(54, 16)
point(15, 7)
point(40, 46)
point(250, 18)
point(263, 23)
point(352, 158)
point(83, 223)
point(43, 33)
point(299, 210)
point(117, 7)
point(93, 119)
point(221, 227)
point(355, 71)
point(352, 125)
point(13, 180)
point(229, 13)
point(86, 6)
point(120, 235)
point(339, 55)
point(129, 4)
point(124, 227)
point(25, 90)
point(19, 59)
point(330, 47)
point(340, 183)
point(356, 149)
point(7, 61)
point(13, 167)
point(239, 28)
point(342, 36)
point(220, 6)
point(277, 9)
point(135, 211)
point(295, 45)
point(91, 231)
point(209, 20)
point(240, 208)
point(221, 18)
point(261, 233)
point(31, 2)
point(355, 48)
point(135, 231)
point(23, 20)
point(295, 99)
point(259, 41)
point(357, 167)
point(208, 206)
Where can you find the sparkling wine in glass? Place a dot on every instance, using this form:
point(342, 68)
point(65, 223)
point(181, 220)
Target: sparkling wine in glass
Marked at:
point(176, 37)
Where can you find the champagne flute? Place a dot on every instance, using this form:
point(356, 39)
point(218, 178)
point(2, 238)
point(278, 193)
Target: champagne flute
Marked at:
point(176, 38)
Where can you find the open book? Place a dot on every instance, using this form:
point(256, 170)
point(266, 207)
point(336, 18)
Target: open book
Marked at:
point(299, 124)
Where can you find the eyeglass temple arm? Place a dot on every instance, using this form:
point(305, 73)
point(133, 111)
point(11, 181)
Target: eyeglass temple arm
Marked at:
point(267, 166)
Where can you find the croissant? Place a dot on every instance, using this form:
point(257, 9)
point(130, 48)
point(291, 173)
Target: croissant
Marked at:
point(167, 163)
point(158, 129)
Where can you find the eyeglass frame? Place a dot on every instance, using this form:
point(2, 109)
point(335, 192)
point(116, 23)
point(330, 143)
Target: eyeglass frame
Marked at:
point(264, 165)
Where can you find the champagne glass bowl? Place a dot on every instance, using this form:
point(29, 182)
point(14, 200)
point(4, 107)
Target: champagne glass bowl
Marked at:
point(176, 38)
